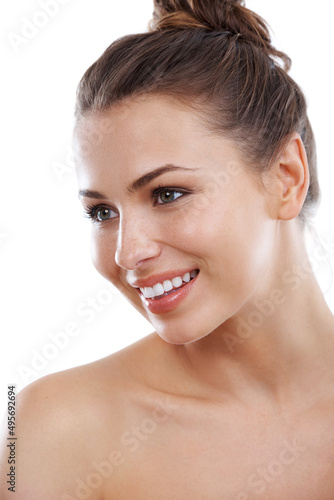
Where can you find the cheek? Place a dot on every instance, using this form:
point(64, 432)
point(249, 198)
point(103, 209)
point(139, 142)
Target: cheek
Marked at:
point(230, 240)
point(243, 250)
point(103, 249)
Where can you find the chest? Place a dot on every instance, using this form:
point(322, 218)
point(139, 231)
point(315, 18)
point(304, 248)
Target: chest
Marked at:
point(233, 457)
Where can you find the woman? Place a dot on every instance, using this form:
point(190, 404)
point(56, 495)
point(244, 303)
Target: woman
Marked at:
point(196, 163)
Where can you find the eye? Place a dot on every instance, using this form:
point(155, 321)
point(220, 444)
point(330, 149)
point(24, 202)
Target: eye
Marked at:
point(99, 213)
point(104, 214)
point(166, 195)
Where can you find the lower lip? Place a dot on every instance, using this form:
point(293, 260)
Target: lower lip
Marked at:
point(169, 302)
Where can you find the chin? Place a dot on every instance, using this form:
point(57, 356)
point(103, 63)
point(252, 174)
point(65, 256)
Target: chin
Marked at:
point(178, 335)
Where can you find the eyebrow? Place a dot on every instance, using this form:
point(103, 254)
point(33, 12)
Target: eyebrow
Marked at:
point(139, 183)
point(87, 193)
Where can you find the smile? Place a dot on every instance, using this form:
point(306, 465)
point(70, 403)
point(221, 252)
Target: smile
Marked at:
point(168, 286)
point(178, 288)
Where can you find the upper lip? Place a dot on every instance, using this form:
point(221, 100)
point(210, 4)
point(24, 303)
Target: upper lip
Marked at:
point(159, 278)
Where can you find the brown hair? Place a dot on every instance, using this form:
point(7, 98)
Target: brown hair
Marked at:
point(215, 56)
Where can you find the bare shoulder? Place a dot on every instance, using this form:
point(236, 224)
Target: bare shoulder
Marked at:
point(68, 423)
point(51, 422)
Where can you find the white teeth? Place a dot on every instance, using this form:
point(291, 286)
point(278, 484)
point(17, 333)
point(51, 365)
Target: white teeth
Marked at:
point(186, 277)
point(177, 281)
point(168, 286)
point(158, 289)
point(148, 292)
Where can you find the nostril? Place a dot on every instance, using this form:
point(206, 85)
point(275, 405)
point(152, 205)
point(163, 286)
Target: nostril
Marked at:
point(132, 255)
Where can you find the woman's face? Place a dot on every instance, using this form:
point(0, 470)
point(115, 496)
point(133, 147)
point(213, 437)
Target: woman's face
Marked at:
point(180, 226)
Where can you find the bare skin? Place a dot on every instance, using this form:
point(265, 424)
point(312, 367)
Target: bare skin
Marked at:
point(233, 396)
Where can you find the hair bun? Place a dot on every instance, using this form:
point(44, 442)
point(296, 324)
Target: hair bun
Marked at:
point(223, 15)
point(208, 14)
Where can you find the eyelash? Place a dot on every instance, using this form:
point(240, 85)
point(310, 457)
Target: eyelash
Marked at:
point(91, 211)
point(166, 189)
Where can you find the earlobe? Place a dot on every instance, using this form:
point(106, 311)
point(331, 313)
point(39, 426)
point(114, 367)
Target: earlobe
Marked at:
point(293, 178)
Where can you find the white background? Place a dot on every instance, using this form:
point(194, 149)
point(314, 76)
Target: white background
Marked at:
point(45, 267)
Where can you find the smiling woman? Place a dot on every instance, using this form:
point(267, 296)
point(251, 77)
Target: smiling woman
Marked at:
point(196, 164)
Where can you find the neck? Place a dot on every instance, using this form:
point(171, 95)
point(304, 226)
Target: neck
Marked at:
point(279, 342)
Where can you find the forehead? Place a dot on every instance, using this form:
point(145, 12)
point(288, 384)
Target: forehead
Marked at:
point(149, 125)
point(137, 136)
point(149, 119)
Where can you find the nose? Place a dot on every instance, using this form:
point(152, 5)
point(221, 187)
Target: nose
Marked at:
point(136, 242)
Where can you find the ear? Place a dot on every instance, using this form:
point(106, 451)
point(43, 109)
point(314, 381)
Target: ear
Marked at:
point(292, 179)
